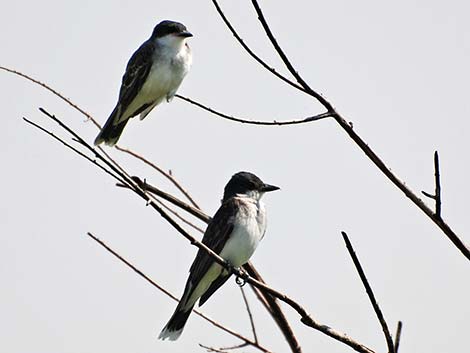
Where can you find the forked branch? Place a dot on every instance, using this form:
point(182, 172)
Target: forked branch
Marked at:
point(302, 86)
point(305, 317)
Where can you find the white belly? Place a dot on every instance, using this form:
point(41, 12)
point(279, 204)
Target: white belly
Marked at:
point(249, 229)
point(162, 82)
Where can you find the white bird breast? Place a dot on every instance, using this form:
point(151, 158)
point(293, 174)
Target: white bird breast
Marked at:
point(171, 65)
point(249, 229)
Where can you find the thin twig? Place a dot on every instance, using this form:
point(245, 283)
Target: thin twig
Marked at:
point(112, 160)
point(90, 117)
point(163, 290)
point(250, 315)
point(269, 302)
point(238, 346)
point(123, 176)
point(272, 306)
point(181, 218)
point(42, 84)
point(438, 184)
point(251, 52)
point(80, 153)
point(370, 294)
point(347, 127)
point(305, 317)
point(212, 349)
point(286, 61)
point(256, 122)
point(437, 181)
point(161, 171)
point(170, 198)
point(398, 336)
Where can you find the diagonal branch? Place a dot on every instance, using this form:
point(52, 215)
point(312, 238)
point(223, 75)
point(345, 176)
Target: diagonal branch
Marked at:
point(131, 183)
point(161, 171)
point(80, 153)
point(251, 52)
point(287, 62)
point(347, 127)
point(163, 290)
point(398, 336)
point(306, 318)
point(269, 302)
point(47, 87)
point(370, 294)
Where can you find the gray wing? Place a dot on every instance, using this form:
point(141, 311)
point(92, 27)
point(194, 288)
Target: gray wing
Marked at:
point(137, 71)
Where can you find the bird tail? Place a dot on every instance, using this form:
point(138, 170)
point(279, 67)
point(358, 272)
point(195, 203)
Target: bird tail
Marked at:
point(111, 131)
point(175, 326)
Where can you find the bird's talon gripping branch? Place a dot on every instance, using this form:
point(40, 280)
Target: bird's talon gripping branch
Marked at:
point(241, 277)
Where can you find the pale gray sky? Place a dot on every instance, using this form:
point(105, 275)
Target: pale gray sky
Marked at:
point(398, 70)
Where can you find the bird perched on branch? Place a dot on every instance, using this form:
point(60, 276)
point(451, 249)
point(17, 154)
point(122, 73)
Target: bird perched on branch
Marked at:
point(233, 233)
point(153, 74)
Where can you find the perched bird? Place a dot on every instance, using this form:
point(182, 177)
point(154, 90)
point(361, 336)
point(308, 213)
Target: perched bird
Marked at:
point(233, 233)
point(154, 73)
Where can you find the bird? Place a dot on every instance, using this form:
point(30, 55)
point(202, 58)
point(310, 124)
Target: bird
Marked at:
point(154, 73)
point(233, 233)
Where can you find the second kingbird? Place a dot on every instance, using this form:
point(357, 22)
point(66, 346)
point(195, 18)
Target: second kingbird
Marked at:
point(153, 74)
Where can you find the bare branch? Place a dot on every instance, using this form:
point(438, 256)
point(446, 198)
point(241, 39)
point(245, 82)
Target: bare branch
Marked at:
point(211, 349)
point(251, 52)
point(352, 134)
point(269, 302)
point(181, 218)
point(68, 101)
point(286, 61)
point(272, 306)
point(80, 153)
point(170, 198)
point(398, 336)
point(370, 294)
point(305, 317)
point(250, 315)
point(437, 180)
point(438, 184)
point(221, 350)
point(163, 290)
point(256, 122)
point(161, 171)
point(131, 184)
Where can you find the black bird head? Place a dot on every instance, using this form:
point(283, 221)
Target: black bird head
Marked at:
point(244, 183)
point(170, 27)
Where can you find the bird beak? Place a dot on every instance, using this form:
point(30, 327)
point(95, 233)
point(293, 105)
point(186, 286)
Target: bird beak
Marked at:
point(185, 34)
point(267, 187)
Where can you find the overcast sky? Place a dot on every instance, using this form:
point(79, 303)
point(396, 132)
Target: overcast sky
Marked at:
point(398, 70)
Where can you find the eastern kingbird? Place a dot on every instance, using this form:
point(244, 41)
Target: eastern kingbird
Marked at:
point(154, 73)
point(233, 233)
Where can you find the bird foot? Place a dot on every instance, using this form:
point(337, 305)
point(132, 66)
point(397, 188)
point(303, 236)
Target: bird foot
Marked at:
point(242, 277)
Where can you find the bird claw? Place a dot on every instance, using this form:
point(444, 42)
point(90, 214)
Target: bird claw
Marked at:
point(242, 278)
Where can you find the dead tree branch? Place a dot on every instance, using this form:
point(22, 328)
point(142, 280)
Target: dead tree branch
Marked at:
point(269, 302)
point(255, 122)
point(370, 293)
point(306, 318)
point(161, 171)
point(347, 127)
point(437, 180)
point(250, 315)
point(163, 290)
point(398, 336)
